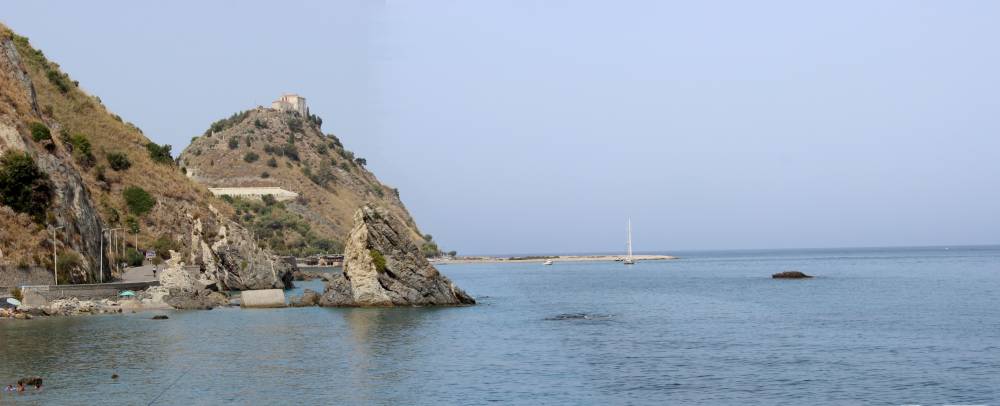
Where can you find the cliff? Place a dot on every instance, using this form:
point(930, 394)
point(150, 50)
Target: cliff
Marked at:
point(264, 147)
point(67, 161)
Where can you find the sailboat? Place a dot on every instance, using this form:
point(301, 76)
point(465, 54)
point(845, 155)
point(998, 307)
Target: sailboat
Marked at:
point(628, 258)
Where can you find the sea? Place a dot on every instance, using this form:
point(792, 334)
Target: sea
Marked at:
point(875, 326)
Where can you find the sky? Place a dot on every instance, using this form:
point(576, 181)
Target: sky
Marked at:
point(542, 126)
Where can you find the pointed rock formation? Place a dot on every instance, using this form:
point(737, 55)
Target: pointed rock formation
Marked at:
point(383, 267)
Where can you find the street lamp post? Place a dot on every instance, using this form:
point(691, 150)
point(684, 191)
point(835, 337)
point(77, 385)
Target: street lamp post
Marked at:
point(55, 261)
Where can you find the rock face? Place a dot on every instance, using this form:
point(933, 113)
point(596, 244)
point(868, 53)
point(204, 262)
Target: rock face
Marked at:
point(383, 267)
point(242, 265)
point(790, 275)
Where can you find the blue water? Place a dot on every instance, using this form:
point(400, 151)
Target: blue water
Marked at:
point(876, 326)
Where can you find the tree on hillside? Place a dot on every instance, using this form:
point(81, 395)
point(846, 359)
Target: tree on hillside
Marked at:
point(23, 186)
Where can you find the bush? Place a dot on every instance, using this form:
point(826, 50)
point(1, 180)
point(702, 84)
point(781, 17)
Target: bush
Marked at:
point(294, 124)
point(132, 224)
point(133, 257)
point(69, 260)
point(361, 161)
point(378, 260)
point(265, 175)
point(259, 124)
point(290, 151)
point(139, 202)
point(227, 122)
point(159, 153)
point(23, 186)
point(119, 161)
point(251, 157)
point(16, 292)
point(452, 253)
point(163, 246)
point(234, 142)
point(272, 163)
point(39, 132)
point(321, 149)
point(82, 150)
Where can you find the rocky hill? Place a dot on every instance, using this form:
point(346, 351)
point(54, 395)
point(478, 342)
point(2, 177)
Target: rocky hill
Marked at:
point(264, 147)
point(67, 161)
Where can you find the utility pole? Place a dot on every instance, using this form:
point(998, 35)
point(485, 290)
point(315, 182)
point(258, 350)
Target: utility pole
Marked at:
point(55, 261)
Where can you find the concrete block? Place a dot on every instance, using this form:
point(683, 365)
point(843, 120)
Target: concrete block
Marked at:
point(262, 298)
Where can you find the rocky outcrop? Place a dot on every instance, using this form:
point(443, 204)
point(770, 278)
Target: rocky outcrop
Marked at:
point(790, 275)
point(309, 298)
point(200, 300)
point(383, 267)
point(240, 264)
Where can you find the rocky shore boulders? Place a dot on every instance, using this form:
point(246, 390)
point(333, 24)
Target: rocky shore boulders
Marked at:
point(790, 275)
point(383, 267)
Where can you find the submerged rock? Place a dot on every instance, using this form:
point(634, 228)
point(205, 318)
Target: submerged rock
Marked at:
point(383, 267)
point(159, 317)
point(790, 275)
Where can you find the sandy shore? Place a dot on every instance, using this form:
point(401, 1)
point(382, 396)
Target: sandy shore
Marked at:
point(543, 258)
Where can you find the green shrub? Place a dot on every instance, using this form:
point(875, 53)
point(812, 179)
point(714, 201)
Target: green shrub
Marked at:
point(39, 132)
point(133, 257)
point(82, 150)
point(163, 246)
point(225, 123)
point(234, 142)
point(378, 260)
point(132, 224)
point(251, 157)
point(159, 153)
point(139, 202)
point(119, 161)
point(321, 149)
point(291, 151)
point(361, 161)
point(265, 175)
point(16, 292)
point(272, 163)
point(259, 124)
point(69, 260)
point(294, 124)
point(23, 186)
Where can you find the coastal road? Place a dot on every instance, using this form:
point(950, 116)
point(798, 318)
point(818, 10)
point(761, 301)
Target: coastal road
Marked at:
point(139, 274)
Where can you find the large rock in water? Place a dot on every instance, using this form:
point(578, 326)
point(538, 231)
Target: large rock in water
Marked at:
point(242, 265)
point(790, 275)
point(383, 267)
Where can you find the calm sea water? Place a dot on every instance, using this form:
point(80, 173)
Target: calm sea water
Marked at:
point(876, 326)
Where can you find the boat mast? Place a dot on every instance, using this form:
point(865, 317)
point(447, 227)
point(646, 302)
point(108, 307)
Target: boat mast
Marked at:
point(630, 238)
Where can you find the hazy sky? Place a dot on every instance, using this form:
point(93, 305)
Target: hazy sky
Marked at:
point(523, 127)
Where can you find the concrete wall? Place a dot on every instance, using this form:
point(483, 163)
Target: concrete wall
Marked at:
point(39, 295)
point(262, 298)
point(12, 276)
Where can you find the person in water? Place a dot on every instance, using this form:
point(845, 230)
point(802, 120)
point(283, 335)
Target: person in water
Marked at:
point(9, 388)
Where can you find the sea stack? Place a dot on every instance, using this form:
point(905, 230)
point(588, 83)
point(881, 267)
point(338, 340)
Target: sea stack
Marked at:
point(383, 267)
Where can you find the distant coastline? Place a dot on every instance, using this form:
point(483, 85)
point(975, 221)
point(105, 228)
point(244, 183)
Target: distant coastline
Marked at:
point(543, 258)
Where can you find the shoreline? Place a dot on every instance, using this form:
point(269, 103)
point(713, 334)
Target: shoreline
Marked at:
point(554, 258)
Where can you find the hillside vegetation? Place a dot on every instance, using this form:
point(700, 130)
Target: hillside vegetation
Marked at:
point(263, 147)
point(89, 170)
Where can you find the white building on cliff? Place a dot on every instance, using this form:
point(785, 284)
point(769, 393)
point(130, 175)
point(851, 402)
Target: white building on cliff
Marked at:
point(291, 102)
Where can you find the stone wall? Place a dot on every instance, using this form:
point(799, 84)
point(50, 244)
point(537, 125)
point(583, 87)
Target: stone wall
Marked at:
point(12, 276)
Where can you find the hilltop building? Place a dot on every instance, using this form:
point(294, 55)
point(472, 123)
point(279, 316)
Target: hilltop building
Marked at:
point(291, 102)
point(255, 192)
